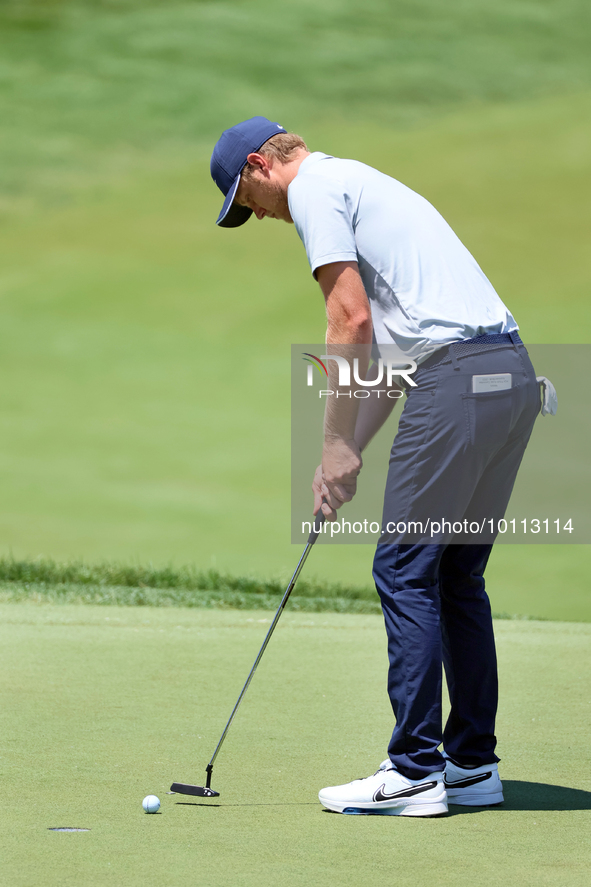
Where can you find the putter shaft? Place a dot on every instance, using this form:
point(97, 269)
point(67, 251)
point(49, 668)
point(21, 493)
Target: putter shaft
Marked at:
point(311, 540)
point(206, 791)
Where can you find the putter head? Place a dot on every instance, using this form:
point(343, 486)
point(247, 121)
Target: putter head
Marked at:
point(183, 789)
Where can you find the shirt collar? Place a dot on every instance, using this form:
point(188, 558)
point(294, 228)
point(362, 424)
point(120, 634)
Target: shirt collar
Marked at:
point(313, 158)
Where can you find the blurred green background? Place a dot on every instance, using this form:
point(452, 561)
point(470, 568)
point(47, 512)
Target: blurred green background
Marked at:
point(145, 354)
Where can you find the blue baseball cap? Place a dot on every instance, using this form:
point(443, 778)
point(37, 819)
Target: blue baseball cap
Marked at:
point(229, 159)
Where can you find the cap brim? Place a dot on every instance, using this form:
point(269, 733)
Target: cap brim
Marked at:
point(233, 215)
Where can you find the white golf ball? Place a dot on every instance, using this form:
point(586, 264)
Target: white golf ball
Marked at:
point(151, 804)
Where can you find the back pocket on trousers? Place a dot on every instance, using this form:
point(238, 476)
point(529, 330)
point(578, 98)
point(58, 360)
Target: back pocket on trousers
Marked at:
point(490, 416)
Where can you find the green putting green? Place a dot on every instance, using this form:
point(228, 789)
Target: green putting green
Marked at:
point(103, 706)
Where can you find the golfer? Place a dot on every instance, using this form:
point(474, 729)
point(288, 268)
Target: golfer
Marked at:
point(394, 275)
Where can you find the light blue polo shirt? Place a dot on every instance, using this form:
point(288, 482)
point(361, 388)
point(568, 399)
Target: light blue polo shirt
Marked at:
point(424, 288)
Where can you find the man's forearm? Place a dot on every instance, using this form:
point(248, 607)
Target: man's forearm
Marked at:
point(342, 405)
point(349, 336)
point(374, 411)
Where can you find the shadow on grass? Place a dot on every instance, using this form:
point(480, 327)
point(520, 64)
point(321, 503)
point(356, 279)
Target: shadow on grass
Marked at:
point(518, 796)
point(280, 804)
point(539, 796)
point(534, 796)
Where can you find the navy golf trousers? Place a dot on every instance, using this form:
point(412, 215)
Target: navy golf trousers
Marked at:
point(455, 457)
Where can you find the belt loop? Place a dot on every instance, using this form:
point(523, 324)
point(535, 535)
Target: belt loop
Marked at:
point(454, 359)
point(515, 339)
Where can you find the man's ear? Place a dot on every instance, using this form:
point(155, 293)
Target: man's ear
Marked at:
point(258, 161)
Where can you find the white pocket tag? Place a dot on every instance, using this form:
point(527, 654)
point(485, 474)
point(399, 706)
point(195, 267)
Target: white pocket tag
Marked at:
point(498, 382)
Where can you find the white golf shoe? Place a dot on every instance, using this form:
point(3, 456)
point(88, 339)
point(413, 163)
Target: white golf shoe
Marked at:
point(389, 793)
point(478, 787)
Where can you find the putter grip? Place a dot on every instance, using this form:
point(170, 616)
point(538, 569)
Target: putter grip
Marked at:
point(316, 528)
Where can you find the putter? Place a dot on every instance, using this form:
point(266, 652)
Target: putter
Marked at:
point(182, 788)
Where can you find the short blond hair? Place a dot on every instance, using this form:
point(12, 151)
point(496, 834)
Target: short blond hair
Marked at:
point(280, 148)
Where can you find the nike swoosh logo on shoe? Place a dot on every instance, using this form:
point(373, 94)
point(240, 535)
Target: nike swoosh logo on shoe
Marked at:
point(470, 780)
point(380, 794)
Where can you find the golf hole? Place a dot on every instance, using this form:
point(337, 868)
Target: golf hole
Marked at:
point(67, 829)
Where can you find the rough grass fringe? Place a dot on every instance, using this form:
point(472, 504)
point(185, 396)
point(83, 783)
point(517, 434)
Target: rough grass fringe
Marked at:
point(48, 582)
point(45, 581)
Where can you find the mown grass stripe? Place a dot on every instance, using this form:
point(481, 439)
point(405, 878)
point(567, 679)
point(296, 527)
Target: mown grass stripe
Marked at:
point(48, 582)
point(108, 583)
point(126, 596)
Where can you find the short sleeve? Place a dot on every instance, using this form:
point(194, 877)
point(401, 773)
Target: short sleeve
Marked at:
point(320, 209)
